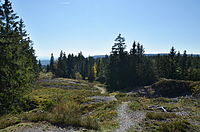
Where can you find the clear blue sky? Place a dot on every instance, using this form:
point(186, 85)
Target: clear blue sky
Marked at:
point(91, 26)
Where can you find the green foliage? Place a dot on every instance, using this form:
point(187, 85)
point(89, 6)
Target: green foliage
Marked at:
point(128, 70)
point(18, 64)
point(194, 74)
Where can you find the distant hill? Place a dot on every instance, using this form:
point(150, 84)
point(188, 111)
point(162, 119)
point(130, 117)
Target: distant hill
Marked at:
point(98, 56)
point(44, 62)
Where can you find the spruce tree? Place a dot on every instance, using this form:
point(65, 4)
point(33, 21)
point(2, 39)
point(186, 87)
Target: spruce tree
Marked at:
point(172, 64)
point(39, 65)
point(183, 65)
point(117, 70)
point(18, 64)
point(51, 65)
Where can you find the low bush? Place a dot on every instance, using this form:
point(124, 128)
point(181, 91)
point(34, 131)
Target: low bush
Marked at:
point(78, 76)
point(178, 126)
point(195, 86)
point(125, 97)
point(89, 123)
point(160, 116)
point(37, 116)
point(135, 105)
point(67, 114)
point(43, 75)
point(8, 120)
point(172, 88)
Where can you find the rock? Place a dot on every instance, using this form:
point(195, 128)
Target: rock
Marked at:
point(156, 107)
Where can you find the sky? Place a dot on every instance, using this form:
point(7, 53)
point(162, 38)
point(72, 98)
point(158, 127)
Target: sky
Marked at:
point(91, 26)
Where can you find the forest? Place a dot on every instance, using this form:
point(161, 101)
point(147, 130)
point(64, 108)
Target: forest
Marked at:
point(124, 69)
point(153, 93)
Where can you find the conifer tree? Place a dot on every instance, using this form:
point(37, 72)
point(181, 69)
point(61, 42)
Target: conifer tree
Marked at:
point(117, 70)
point(172, 73)
point(183, 64)
point(51, 65)
point(18, 64)
point(39, 65)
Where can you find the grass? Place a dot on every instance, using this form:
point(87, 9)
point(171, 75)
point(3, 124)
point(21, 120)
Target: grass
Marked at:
point(160, 115)
point(178, 126)
point(64, 102)
point(68, 114)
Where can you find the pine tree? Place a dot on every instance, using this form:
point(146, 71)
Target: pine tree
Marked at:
point(59, 71)
point(132, 75)
point(117, 70)
point(18, 64)
point(39, 65)
point(70, 66)
point(172, 64)
point(183, 65)
point(51, 65)
point(64, 66)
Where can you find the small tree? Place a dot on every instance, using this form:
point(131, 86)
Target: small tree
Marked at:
point(39, 66)
point(93, 73)
point(51, 66)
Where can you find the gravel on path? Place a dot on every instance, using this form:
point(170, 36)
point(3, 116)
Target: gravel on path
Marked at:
point(128, 119)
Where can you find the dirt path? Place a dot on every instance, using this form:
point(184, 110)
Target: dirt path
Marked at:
point(129, 119)
point(102, 98)
point(103, 90)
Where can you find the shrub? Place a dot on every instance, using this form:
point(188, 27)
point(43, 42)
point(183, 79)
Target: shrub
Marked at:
point(195, 86)
point(43, 75)
point(78, 76)
point(6, 121)
point(177, 126)
point(125, 97)
point(172, 88)
point(89, 123)
point(135, 105)
point(160, 116)
point(37, 116)
point(68, 113)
